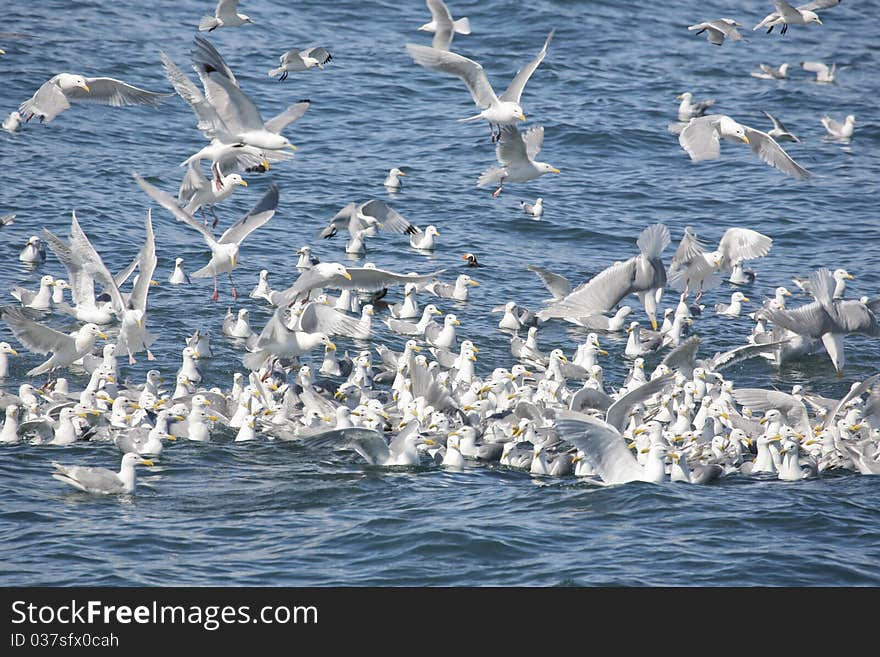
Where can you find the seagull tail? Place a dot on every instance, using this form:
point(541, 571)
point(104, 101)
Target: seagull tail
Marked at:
point(462, 26)
point(490, 176)
point(40, 369)
point(204, 272)
point(475, 117)
point(208, 23)
point(276, 71)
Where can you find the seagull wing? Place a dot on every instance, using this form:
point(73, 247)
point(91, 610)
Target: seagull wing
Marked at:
point(168, 203)
point(48, 102)
point(742, 244)
point(815, 67)
point(558, 286)
point(514, 91)
point(277, 123)
point(321, 318)
point(93, 263)
point(700, 139)
point(259, 215)
point(370, 279)
point(817, 5)
point(603, 445)
point(442, 24)
point(390, 218)
point(791, 407)
point(209, 120)
point(777, 124)
point(770, 152)
point(36, 337)
point(207, 56)
point(82, 285)
point(116, 93)
point(146, 267)
point(618, 412)
point(468, 70)
point(511, 147)
point(89, 479)
point(534, 140)
point(600, 294)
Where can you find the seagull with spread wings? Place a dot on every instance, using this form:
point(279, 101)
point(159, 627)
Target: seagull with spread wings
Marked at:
point(442, 25)
point(224, 252)
point(701, 139)
point(516, 154)
point(497, 110)
point(57, 94)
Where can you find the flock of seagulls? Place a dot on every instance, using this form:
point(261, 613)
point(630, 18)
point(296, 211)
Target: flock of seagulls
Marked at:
point(548, 413)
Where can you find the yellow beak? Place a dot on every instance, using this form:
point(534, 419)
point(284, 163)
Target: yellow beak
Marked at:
point(555, 170)
point(291, 147)
point(745, 139)
point(86, 87)
point(347, 275)
point(331, 345)
point(145, 462)
point(243, 183)
point(472, 282)
point(265, 164)
point(102, 335)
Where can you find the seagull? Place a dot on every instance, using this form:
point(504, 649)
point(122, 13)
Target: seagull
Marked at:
point(827, 318)
point(101, 480)
point(771, 72)
point(503, 110)
point(224, 252)
point(842, 131)
point(443, 26)
point(12, 122)
point(424, 241)
point(787, 15)
point(56, 95)
point(717, 30)
point(196, 191)
point(643, 275)
point(225, 15)
point(392, 180)
point(823, 73)
point(701, 138)
point(516, 153)
point(734, 308)
point(34, 250)
point(779, 132)
point(534, 209)
point(178, 276)
point(301, 60)
point(39, 338)
point(688, 109)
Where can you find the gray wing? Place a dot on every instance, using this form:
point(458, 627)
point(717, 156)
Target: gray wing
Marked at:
point(854, 317)
point(589, 398)
point(770, 152)
point(514, 91)
point(777, 124)
point(116, 93)
point(742, 244)
point(82, 285)
point(700, 139)
point(293, 113)
point(534, 140)
point(259, 215)
point(725, 359)
point(618, 412)
point(89, 479)
point(468, 70)
point(48, 102)
point(814, 67)
point(320, 53)
point(600, 294)
point(371, 279)
point(340, 220)
point(810, 320)
point(817, 5)
point(729, 30)
point(390, 218)
point(684, 356)
point(370, 445)
point(193, 181)
point(209, 120)
point(93, 263)
point(443, 24)
point(511, 147)
point(558, 285)
point(320, 318)
point(689, 249)
point(854, 392)
point(235, 108)
point(603, 445)
point(146, 267)
point(168, 203)
point(207, 55)
point(759, 399)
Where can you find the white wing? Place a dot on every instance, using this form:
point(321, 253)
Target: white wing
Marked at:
point(259, 215)
point(770, 152)
point(468, 70)
point(603, 445)
point(514, 91)
point(700, 139)
point(116, 93)
point(48, 102)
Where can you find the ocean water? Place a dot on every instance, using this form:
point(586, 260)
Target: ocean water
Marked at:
point(273, 513)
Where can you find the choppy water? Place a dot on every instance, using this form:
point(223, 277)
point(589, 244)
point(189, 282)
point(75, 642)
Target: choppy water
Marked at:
point(264, 514)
